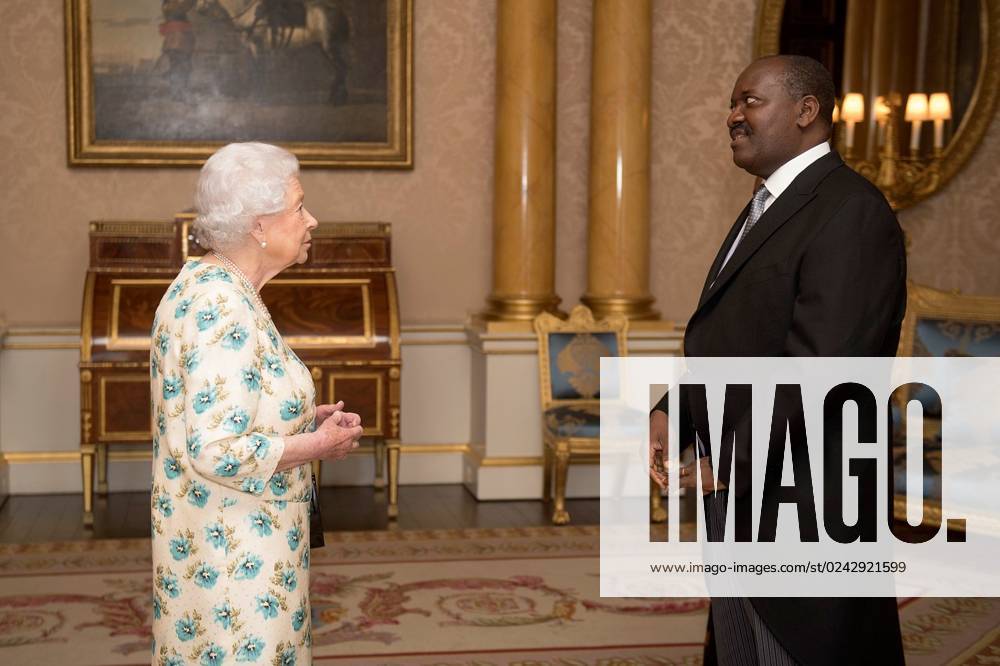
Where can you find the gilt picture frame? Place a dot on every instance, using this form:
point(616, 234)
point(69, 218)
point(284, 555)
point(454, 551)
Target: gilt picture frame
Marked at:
point(153, 83)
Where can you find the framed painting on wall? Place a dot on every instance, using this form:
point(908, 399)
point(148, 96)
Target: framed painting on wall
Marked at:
point(167, 82)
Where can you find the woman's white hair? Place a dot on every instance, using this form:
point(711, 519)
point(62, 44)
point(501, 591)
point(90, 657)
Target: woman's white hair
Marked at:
point(239, 183)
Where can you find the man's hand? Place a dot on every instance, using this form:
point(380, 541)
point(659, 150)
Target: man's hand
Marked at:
point(687, 476)
point(657, 448)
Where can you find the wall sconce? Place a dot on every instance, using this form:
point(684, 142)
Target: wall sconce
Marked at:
point(902, 179)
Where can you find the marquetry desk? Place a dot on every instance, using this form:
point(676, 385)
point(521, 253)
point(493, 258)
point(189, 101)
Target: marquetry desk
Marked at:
point(338, 311)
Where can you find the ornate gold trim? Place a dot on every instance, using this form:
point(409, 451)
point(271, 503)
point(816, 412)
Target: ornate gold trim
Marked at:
point(982, 105)
point(54, 332)
point(102, 432)
point(923, 302)
point(86, 319)
point(390, 285)
point(84, 150)
point(134, 228)
point(434, 448)
point(331, 394)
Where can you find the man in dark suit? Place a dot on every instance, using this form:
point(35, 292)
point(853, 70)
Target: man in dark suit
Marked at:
point(813, 266)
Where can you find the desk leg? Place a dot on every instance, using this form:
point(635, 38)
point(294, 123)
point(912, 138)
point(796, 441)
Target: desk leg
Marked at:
point(102, 469)
point(560, 516)
point(380, 463)
point(657, 512)
point(87, 468)
point(546, 472)
point(393, 450)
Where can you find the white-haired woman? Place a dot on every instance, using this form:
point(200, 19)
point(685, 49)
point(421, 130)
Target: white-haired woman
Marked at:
point(235, 426)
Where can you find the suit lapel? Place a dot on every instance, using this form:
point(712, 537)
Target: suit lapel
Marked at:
point(800, 192)
point(723, 251)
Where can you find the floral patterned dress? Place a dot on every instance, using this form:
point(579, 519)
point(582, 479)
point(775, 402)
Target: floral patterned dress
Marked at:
point(230, 535)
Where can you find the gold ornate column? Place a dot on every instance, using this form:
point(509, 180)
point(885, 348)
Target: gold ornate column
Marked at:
point(618, 228)
point(524, 162)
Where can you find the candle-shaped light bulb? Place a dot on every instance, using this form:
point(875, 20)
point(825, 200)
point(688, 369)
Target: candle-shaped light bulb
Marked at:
point(916, 113)
point(852, 111)
point(940, 111)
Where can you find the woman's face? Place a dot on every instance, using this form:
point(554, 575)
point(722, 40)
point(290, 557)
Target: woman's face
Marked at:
point(288, 233)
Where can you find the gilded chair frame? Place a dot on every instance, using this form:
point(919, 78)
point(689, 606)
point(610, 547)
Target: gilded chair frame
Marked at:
point(560, 451)
point(924, 302)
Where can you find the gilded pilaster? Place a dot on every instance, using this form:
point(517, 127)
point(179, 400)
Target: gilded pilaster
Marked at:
point(524, 173)
point(618, 226)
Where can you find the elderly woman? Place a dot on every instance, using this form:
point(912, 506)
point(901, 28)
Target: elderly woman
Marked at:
point(235, 429)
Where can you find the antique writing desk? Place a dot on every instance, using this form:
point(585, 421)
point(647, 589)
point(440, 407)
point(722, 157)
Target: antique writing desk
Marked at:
point(338, 311)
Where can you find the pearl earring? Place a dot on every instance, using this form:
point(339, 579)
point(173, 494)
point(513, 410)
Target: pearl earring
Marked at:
point(263, 243)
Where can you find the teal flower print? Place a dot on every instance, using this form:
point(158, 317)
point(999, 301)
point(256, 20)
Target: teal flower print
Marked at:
point(205, 576)
point(182, 308)
point(252, 485)
point(190, 360)
point(273, 365)
point(164, 505)
point(299, 618)
point(248, 566)
point(194, 444)
point(227, 466)
point(180, 547)
point(163, 342)
point(251, 378)
point(173, 660)
point(224, 614)
point(280, 505)
point(161, 423)
point(175, 290)
point(169, 584)
point(291, 409)
point(250, 648)
point(289, 580)
point(186, 628)
point(154, 366)
point(267, 605)
point(204, 399)
point(279, 484)
point(236, 421)
point(171, 467)
point(172, 386)
point(207, 318)
point(157, 607)
point(294, 536)
point(304, 558)
point(229, 501)
point(235, 337)
point(213, 655)
point(286, 658)
point(215, 534)
point(259, 446)
point(198, 495)
point(156, 445)
point(214, 273)
point(273, 337)
point(260, 523)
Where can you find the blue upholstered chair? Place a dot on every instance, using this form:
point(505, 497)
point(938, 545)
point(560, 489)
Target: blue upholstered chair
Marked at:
point(939, 323)
point(569, 363)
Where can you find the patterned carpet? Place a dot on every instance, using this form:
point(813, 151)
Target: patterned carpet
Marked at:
point(457, 597)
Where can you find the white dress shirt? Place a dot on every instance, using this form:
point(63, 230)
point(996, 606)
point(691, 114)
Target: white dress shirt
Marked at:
point(779, 181)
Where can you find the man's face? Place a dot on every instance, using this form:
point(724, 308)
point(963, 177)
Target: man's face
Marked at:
point(762, 120)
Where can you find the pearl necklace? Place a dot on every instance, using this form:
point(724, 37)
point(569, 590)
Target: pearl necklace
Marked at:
point(234, 269)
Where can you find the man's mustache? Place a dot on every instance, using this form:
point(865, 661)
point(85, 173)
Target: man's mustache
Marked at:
point(739, 129)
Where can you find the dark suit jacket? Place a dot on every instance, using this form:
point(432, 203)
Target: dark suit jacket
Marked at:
point(822, 273)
